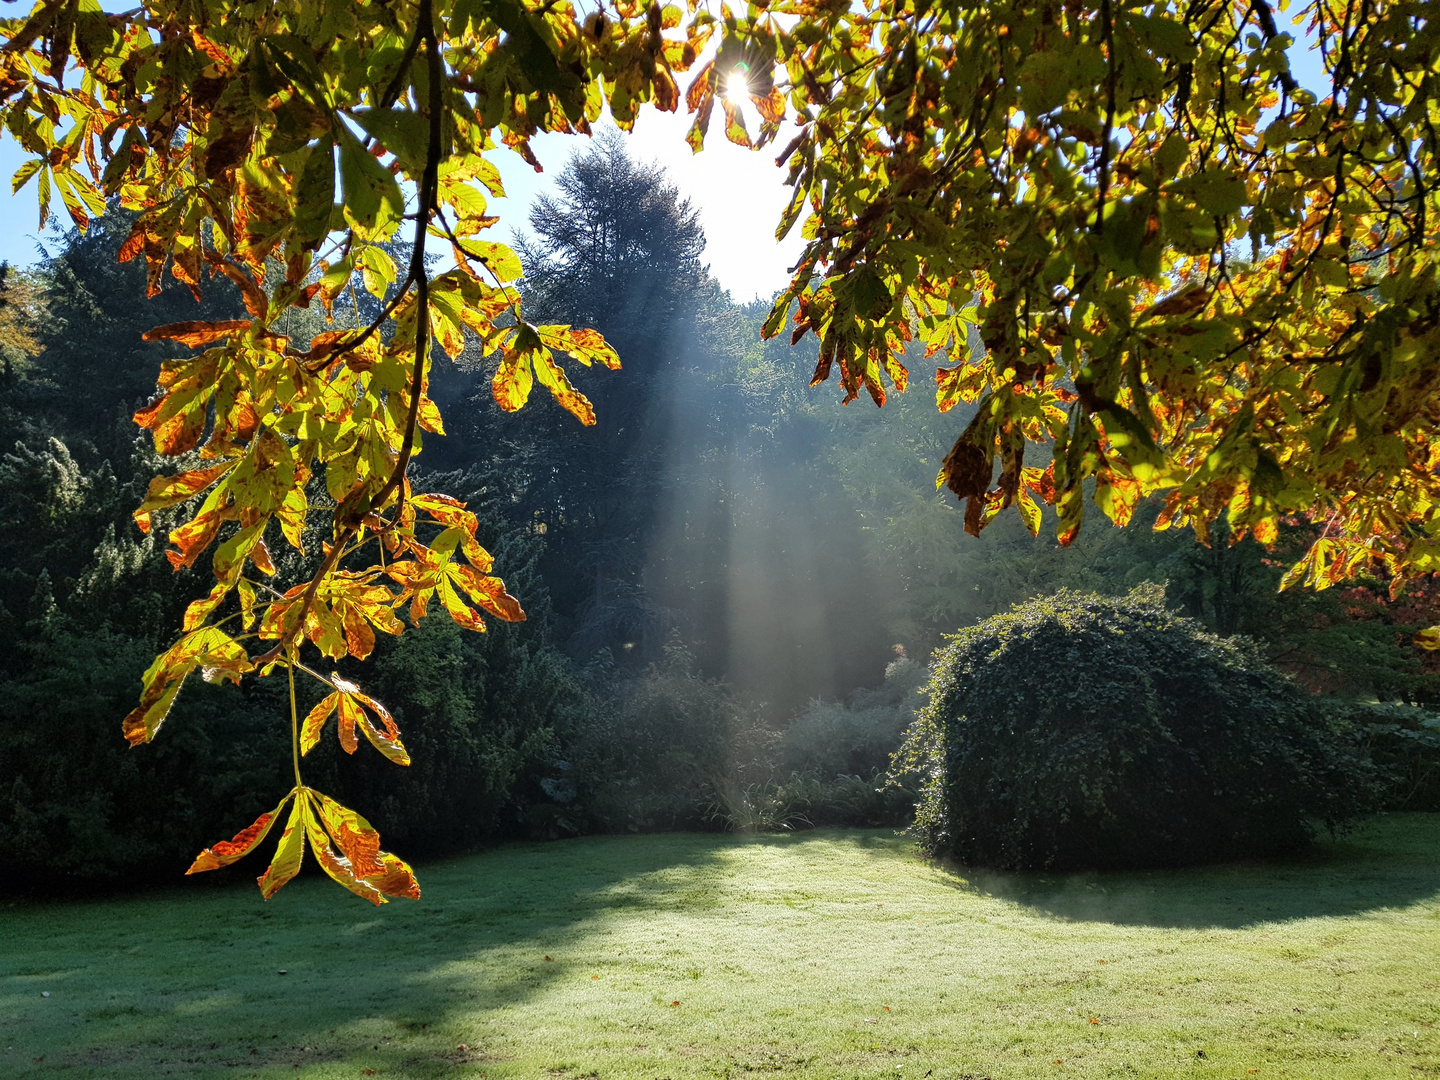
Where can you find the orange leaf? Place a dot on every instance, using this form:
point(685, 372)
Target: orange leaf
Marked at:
point(256, 302)
point(554, 379)
point(456, 608)
point(198, 610)
point(398, 879)
point(947, 382)
point(141, 723)
point(350, 715)
point(452, 513)
point(702, 88)
point(772, 108)
point(195, 332)
point(360, 866)
point(488, 592)
point(587, 346)
point(356, 837)
point(359, 638)
point(735, 124)
point(340, 868)
point(182, 431)
point(169, 490)
point(245, 841)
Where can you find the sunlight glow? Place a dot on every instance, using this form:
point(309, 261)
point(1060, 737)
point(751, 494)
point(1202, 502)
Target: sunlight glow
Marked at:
point(737, 86)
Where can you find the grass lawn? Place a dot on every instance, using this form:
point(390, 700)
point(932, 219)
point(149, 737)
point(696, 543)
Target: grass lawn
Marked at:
point(824, 954)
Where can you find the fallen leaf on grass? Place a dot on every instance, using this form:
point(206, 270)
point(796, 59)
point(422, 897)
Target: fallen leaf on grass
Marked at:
point(673, 1004)
point(885, 1007)
point(548, 960)
point(594, 976)
point(1094, 1020)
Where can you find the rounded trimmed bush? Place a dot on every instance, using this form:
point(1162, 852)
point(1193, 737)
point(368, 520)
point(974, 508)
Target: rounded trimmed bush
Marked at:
point(1083, 731)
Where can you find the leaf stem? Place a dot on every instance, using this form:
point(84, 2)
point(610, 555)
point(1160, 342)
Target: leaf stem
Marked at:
point(294, 719)
point(1108, 33)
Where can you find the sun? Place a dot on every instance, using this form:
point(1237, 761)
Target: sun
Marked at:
point(737, 86)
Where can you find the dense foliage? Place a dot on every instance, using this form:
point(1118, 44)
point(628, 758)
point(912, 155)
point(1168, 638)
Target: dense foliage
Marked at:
point(532, 730)
point(1148, 742)
point(1192, 275)
point(1404, 744)
point(1116, 151)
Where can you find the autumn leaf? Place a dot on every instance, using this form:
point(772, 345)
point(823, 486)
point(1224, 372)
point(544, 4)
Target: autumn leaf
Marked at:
point(170, 490)
point(735, 124)
point(352, 706)
point(558, 383)
point(196, 334)
point(206, 646)
point(245, 841)
point(289, 852)
point(513, 380)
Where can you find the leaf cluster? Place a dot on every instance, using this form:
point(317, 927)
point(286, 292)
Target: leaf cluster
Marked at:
point(1191, 276)
point(281, 148)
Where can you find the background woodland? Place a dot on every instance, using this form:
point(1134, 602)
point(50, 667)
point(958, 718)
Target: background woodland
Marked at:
point(733, 584)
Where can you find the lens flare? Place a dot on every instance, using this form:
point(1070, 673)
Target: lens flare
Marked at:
point(737, 86)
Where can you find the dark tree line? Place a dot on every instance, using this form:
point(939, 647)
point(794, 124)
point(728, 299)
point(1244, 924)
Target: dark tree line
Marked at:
point(724, 550)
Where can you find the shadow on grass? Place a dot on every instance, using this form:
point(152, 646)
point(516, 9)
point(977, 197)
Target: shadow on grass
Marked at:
point(211, 981)
point(188, 982)
point(1390, 861)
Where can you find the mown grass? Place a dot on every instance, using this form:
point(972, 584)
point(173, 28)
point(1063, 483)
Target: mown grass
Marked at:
point(828, 954)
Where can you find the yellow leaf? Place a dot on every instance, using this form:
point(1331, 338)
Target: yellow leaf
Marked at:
point(513, 380)
point(289, 852)
point(1429, 638)
point(315, 722)
point(554, 379)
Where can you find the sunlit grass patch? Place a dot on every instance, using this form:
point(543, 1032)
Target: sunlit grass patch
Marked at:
point(827, 954)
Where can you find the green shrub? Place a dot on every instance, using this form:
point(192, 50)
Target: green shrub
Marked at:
point(835, 739)
point(1404, 744)
point(806, 801)
point(652, 749)
point(1088, 731)
point(85, 607)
